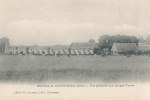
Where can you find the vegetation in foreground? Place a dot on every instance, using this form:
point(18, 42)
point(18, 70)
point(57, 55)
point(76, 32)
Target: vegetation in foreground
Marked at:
point(74, 68)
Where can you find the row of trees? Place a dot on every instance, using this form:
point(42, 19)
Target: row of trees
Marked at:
point(106, 42)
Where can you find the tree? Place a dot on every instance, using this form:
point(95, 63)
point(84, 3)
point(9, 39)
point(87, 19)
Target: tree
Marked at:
point(105, 41)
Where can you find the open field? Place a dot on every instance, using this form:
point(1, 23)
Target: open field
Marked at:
point(74, 69)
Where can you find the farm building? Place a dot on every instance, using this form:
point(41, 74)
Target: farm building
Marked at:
point(11, 50)
point(60, 52)
point(86, 52)
point(81, 52)
point(76, 52)
point(16, 50)
point(143, 44)
point(42, 50)
point(37, 50)
point(144, 49)
point(91, 52)
point(66, 52)
point(123, 47)
point(84, 47)
point(76, 48)
point(60, 49)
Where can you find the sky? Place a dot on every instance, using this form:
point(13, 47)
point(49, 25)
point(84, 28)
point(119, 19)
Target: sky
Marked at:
point(61, 22)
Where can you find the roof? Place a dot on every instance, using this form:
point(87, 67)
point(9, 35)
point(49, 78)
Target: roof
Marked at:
point(38, 47)
point(82, 45)
point(14, 47)
point(30, 47)
point(143, 44)
point(60, 47)
point(56, 47)
point(143, 48)
point(124, 46)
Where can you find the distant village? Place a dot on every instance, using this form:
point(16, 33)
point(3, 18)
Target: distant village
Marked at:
point(76, 48)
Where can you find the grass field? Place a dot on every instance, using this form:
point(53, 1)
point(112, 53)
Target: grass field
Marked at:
point(74, 69)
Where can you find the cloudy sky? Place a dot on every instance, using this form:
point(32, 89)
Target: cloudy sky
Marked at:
point(50, 22)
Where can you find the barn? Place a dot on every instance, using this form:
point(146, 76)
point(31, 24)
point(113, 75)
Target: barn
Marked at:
point(123, 47)
point(144, 49)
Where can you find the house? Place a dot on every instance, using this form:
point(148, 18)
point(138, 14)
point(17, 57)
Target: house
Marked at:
point(60, 49)
point(21, 49)
point(86, 52)
point(76, 52)
point(76, 48)
point(66, 52)
point(60, 52)
point(16, 50)
point(123, 47)
point(83, 47)
point(38, 50)
point(11, 50)
point(81, 52)
point(91, 52)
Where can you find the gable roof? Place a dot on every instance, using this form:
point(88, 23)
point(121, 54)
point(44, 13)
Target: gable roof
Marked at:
point(30, 47)
point(55, 47)
point(60, 47)
point(19, 47)
point(82, 45)
point(124, 46)
point(144, 48)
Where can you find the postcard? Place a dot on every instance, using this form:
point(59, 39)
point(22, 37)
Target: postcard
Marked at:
point(74, 50)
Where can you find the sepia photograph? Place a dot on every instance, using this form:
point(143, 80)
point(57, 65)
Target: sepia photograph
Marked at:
point(74, 49)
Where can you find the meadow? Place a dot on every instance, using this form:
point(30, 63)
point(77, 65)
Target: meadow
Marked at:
point(74, 69)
